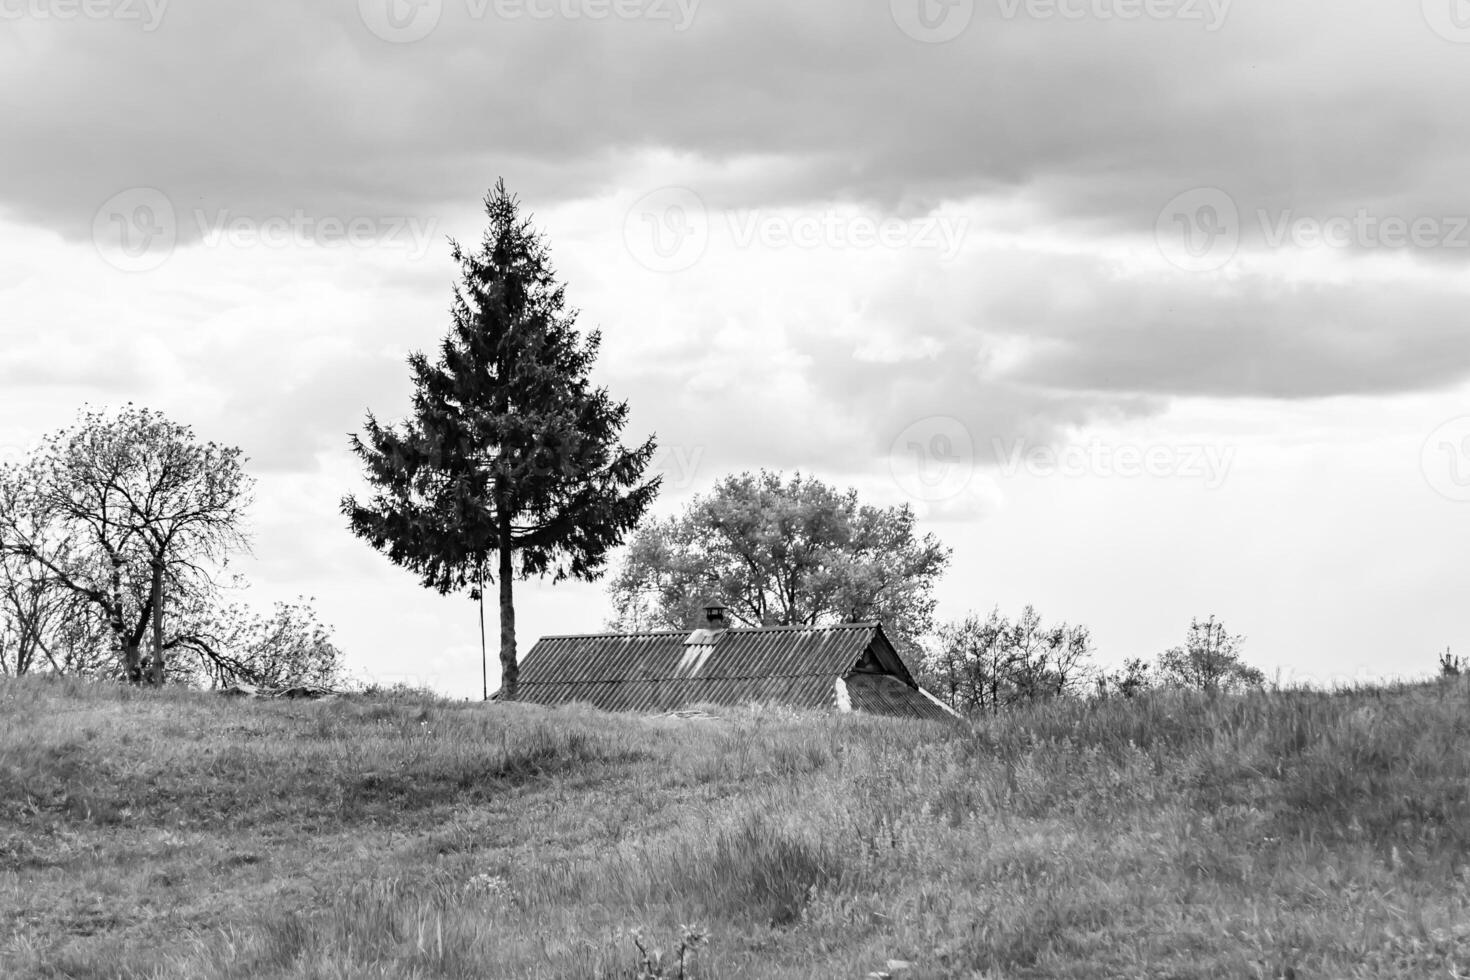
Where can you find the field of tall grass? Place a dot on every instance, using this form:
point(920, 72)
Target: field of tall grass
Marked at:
point(183, 835)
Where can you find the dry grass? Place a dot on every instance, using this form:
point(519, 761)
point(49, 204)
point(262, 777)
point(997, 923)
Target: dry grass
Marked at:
point(178, 835)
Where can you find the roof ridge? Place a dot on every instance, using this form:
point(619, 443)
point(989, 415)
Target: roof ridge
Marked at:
point(604, 636)
point(733, 629)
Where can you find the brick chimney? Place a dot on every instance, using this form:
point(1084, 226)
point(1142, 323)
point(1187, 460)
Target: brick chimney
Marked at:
point(714, 624)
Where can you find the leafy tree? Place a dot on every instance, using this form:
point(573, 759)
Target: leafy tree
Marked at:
point(970, 666)
point(510, 452)
point(993, 663)
point(126, 514)
point(1209, 661)
point(1135, 677)
point(783, 553)
point(1048, 661)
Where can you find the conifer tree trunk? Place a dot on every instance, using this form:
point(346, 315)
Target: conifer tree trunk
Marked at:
point(509, 669)
point(484, 666)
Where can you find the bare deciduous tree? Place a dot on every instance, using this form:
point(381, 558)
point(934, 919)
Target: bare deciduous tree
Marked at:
point(125, 513)
point(34, 608)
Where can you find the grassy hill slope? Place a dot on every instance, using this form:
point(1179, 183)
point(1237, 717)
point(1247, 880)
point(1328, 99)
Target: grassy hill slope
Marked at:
point(181, 835)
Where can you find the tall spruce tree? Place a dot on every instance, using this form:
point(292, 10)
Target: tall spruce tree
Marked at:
point(510, 454)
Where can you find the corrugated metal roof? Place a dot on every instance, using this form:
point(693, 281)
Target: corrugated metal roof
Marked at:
point(669, 695)
point(660, 671)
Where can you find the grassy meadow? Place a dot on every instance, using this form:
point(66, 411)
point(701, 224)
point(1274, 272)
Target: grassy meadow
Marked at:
point(182, 835)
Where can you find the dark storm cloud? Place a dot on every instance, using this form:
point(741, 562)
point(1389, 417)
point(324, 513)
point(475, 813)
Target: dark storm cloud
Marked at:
point(267, 108)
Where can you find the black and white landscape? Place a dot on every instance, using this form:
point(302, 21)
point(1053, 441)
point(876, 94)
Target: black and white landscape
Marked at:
point(1035, 408)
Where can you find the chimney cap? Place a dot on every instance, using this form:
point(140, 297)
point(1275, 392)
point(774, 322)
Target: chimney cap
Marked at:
point(714, 612)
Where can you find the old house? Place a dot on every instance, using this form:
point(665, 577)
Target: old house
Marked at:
point(851, 667)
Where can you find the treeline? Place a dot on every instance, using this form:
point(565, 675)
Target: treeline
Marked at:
point(986, 665)
point(116, 542)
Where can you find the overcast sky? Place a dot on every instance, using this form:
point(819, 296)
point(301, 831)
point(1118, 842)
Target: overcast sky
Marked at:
point(1152, 309)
